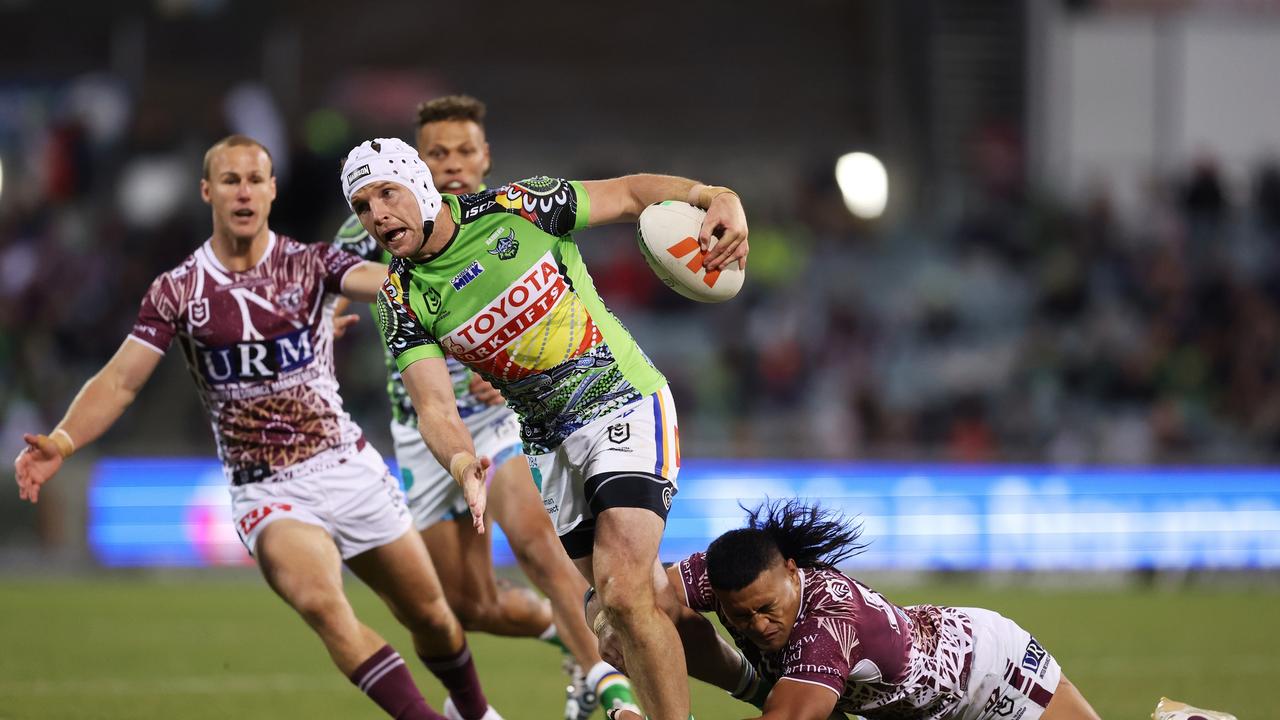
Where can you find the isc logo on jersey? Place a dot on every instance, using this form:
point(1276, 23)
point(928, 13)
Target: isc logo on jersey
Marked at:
point(533, 325)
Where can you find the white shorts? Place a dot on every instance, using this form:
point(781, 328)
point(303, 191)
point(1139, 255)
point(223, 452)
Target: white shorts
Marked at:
point(433, 494)
point(1012, 677)
point(628, 458)
point(349, 492)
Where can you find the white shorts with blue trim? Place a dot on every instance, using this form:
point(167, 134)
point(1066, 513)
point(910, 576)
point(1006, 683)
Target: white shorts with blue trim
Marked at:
point(433, 494)
point(638, 442)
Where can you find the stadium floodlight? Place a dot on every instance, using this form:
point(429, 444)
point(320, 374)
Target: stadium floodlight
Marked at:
point(863, 183)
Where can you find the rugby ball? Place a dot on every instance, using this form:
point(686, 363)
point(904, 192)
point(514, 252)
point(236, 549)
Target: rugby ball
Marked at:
point(668, 237)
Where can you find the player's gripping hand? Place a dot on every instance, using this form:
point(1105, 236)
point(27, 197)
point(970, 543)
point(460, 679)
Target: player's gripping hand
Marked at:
point(484, 392)
point(342, 322)
point(38, 461)
point(726, 220)
point(471, 473)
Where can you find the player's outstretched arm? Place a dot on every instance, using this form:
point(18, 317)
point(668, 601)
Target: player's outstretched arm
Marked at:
point(709, 657)
point(431, 390)
point(792, 700)
point(363, 282)
point(623, 199)
point(95, 408)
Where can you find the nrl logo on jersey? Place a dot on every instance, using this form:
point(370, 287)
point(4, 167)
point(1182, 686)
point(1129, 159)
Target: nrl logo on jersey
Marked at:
point(198, 312)
point(507, 246)
point(433, 300)
point(465, 277)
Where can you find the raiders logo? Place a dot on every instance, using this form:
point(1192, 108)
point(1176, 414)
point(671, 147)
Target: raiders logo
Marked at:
point(619, 433)
point(507, 246)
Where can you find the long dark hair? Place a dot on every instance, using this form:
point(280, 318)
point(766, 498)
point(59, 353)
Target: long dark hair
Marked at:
point(811, 535)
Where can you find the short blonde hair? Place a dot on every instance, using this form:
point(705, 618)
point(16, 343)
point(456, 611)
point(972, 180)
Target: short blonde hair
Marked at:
point(235, 141)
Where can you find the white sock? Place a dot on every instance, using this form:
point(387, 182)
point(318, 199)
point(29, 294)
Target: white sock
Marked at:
point(599, 672)
point(549, 634)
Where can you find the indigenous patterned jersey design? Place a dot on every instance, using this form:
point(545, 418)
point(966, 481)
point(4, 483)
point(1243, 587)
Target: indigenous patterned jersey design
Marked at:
point(353, 238)
point(510, 297)
point(259, 345)
point(883, 661)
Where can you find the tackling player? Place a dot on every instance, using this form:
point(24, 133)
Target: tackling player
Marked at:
point(451, 139)
point(829, 644)
point(252, 313)
point(495, 280)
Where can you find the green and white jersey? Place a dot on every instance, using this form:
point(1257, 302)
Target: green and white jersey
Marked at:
point(352, 238)
point(510, 297)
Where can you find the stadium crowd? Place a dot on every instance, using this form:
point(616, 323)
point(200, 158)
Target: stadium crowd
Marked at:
point(1006, 326)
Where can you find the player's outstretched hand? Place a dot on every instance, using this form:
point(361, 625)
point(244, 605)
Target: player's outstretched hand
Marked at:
point(475, 490)
point(37, 462)
point(726, 220)
point(342, 322)
point(484, 392)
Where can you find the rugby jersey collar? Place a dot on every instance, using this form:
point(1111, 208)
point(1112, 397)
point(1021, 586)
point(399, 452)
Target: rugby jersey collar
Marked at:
point(213, 260)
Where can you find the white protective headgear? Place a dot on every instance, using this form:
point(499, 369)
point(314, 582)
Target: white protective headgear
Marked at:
point(393, 160)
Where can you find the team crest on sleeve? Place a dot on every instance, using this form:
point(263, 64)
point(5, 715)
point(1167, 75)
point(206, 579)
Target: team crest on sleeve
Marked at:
point(198, 312)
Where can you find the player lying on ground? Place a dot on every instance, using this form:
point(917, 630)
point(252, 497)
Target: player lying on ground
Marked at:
point(451, 140)
point(252, 312)
point(495, 280)
point(830, 645)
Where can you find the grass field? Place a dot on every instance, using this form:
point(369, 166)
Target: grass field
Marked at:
point(120, 648)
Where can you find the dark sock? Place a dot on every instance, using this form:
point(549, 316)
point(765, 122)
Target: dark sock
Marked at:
point(386, 680)
point(458, 675)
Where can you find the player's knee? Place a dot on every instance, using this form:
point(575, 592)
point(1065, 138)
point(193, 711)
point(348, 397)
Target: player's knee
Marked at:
point(473, 616)
point(323, 610)
point(626, 596)
point(431, 619)
point(536, 554)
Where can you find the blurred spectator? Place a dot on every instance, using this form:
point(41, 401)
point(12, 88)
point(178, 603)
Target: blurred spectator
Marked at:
point(1012, 328)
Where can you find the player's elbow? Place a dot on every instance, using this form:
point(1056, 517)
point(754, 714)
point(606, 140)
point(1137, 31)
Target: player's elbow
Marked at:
point(113, 386)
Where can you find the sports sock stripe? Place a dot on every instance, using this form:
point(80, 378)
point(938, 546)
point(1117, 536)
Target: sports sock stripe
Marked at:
point(381, 664)
point(377, 673)
point(445, 664)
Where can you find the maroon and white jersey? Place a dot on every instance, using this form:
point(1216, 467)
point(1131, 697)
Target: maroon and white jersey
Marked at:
point(884, 662)
point(259, 345)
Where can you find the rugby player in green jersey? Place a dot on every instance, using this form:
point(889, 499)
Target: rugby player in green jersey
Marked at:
point(495, 280)
point(451, 139)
